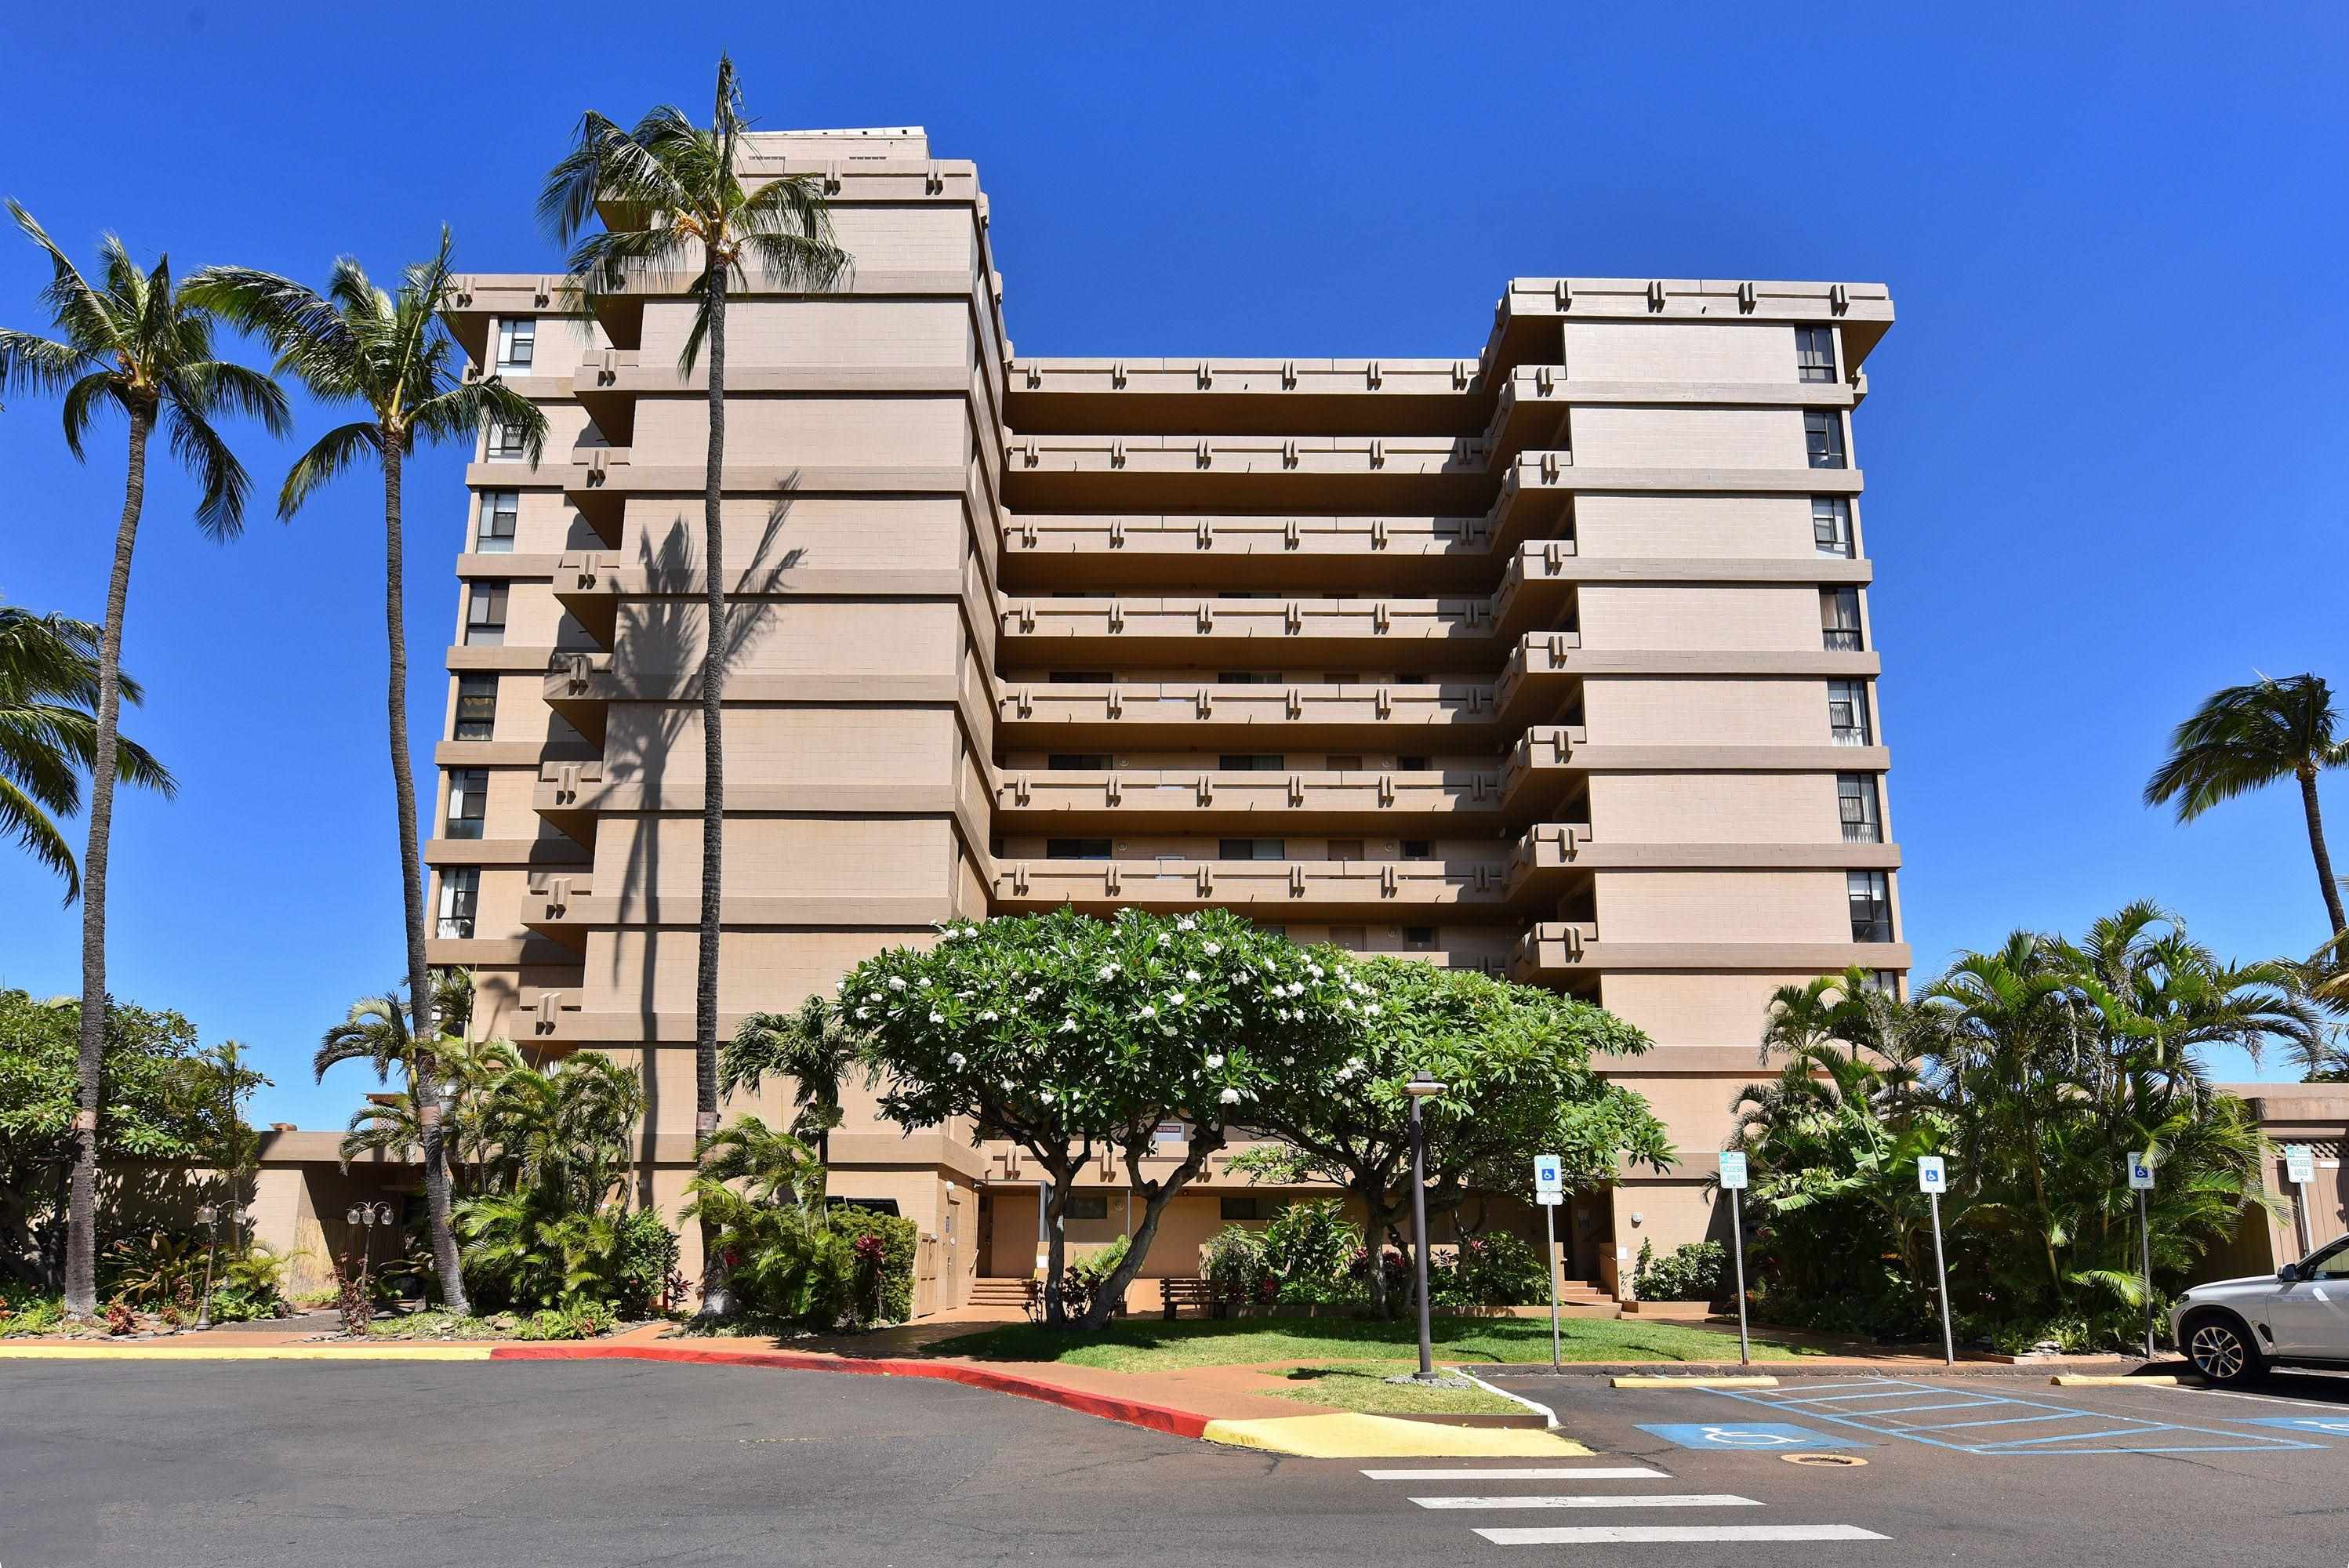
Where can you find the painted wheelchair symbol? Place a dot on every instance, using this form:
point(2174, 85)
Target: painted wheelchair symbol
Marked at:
point(1748, 1438)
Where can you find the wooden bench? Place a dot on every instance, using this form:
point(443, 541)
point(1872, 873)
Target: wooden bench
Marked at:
point(1174, 1295)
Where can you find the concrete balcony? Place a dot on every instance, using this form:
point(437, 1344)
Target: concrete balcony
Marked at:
point(1266, 396)
point(1264, 890)
point(1557, 952)
point(1401, 634)
point(1543, 666)
point(556, 906)
point(1248, 803)
point(579, 686)
point(1552, 860)
point(1526, 320)
point(1064, 551)
point(1443, 476)
point(1451, 717)
point(595, 484)
point(587, 586)
point(565, 797)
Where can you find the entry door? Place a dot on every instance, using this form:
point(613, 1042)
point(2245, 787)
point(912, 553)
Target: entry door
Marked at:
point(2310, 1315)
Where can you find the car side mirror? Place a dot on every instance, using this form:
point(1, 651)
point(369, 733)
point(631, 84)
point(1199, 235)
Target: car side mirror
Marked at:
point(2288, 1273)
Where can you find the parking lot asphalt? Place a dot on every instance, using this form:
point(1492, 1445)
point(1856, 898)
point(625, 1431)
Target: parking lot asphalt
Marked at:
point(583, 1463)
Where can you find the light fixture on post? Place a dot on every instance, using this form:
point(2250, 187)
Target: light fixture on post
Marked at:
point(208, 1217)
point(1421, 1089)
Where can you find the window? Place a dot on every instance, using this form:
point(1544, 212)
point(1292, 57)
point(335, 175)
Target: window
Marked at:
point(477, 707)
point(1419, 849)
point(1419, 938)
point(485, 616)
point(1251, 762)
point(1831, 525)
point(506, 444)
point(495, 534)
point(1884, 982)
point(1345, 849)
point(1086, 1206)
point(1839, 620)
point(1823, 438)
point(1080, 677)
point(1251, 848)
point(518, 343)
point(1847, 712)
point(1855, 805)
point(1411, 763)
point(1078, 762)
point(1247, 1206)
point(1815, 353)
point(1352, 938)
point(869, 1205)
point(2331, 1264)
point(1872, 905)
point(1076, 849)
point(1345, 762)
point(1249, 678)
point(469, 790)
point(461, 891)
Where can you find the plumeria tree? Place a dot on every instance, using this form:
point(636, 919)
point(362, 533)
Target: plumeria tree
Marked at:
point(1515, 1062)
point(1071, 1036)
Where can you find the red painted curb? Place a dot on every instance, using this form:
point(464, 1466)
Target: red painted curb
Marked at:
point(1132, 1412)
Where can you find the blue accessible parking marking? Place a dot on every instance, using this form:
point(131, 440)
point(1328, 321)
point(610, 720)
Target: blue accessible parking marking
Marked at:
point(1754, 1435)
point(2335, 1425)
point(1979, 1422)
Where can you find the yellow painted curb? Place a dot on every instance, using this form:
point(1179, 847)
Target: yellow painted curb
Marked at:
point(2082, 1380)
point(1693, 1382)
point(244, 1352)
point(1346, 1435)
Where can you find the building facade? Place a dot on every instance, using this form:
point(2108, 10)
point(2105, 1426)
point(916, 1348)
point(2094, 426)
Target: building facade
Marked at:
point(1552, 659)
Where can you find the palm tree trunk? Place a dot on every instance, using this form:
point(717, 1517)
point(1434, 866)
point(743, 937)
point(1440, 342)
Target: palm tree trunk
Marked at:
point(2325, 884)
point(81, 1203)
point(424, 1026)
point(713, 769)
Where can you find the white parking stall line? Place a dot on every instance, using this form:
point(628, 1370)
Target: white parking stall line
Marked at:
point(1665, 1534)
point(1546, 1472)
point(1598, 1500)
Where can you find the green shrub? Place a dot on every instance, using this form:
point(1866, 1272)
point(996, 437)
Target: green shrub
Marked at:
point(1691, 1272)
point(1081, 1281)
point(579, 1320)
point(527, 1250)
point(882, 1275)
point(1498, 1268)
point(1311, 1247)
point(1233, 1264)
point(23, 1310)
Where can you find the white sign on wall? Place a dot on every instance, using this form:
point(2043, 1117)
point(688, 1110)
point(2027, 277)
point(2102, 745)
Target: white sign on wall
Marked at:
point(1932, 1175)
point(1732, 1172)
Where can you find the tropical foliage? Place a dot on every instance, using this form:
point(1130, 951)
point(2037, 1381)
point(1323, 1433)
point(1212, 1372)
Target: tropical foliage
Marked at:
point(787, 1259)
point(138, 343)
point(2035, 1069)
point(49, 734)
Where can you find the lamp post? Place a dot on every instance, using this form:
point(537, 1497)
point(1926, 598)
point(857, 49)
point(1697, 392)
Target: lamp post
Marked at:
point(208, 1217)
point(367, 1216)
point(1421, 1087)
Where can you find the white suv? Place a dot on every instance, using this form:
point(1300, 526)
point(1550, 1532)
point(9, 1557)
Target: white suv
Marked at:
point(2235, 1328)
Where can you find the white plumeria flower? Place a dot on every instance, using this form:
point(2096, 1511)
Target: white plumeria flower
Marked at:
point(1193, 975)
point(1229, 1097)
point(1173, 998)
point(896, 984)
point(1108, 971)
point(1045, 1095)
point(1215, 1061)
point(957, 1061)
point(864, 1011)
point(875, 997)
point(1035, 993)
point(988, 1015)
point(936, 1016)
point(1068, 1025)
point(1296, 987)
point(1186, 924)
point(1284, 1014)
point(1270, 967)
point(1347, 1003)
point(1314, 970)
point(1212, 948)
point(1165, 940)
point(1371, 1009)
point(1148, 1011)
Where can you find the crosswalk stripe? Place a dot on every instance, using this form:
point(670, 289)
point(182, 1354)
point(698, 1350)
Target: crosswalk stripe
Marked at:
point(1548, 1472)
point(1598, 1500)
point(1641, 1534)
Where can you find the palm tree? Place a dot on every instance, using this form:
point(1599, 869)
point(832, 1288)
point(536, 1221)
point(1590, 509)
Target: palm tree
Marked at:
point(139, 343)
point(459, 1074)
point(48, 733)
point(670, 201)
point(813, 1046)
point(392, 354)
point(2244, 737)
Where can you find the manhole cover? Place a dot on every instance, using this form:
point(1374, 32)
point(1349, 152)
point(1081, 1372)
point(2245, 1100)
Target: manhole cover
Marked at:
point(1835, 1461)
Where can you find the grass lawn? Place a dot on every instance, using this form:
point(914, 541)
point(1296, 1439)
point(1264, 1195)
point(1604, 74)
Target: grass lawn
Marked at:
point(1137, 1345)
point(1363, 1385)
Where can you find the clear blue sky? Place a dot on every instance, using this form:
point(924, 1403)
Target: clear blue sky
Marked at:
point(2104, 446)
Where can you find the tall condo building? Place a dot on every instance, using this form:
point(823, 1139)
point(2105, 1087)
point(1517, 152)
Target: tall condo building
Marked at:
point(1550, 658)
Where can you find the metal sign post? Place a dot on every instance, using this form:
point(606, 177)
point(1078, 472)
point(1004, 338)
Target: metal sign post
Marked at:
point(2140, 1180)
point(1732, 1182)
point(2300, 1166)
point(1933, 1180)
point(1549, 1192)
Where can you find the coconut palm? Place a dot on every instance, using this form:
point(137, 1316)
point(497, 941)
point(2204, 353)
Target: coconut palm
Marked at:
point(670, 202)
point(135, 341)
point(814, 1046)
point(48, 733)
point(391, 353)
point(565, 1131)
point(462, 1073)
point(2245, 738)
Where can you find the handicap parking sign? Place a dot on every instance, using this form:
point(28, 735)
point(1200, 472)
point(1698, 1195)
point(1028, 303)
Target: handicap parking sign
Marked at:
point(1752, 1436)
point(2335, 1426)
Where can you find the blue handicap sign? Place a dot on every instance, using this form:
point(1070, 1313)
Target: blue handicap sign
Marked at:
point(2338, 1426)
point(1752, 1437)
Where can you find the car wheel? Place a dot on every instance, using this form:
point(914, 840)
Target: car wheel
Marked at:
point(2221, 1349)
